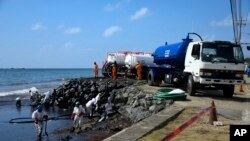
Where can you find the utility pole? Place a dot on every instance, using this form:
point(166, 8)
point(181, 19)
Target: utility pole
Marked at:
point(237, 19)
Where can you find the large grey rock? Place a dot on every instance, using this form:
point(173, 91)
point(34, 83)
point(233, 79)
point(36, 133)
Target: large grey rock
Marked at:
point(79, 89)
point(127, 98)
point(101, 88)
point(142, 116)
point(159, 108)
point(133, 113)
point(143, 102)
point(135, 103)
point(152, 108)
point(72, 90)
point(93, 89)
point(140, 95)
point(125, 95)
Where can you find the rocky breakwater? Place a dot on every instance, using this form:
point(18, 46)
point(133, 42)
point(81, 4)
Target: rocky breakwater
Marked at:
point(122, 101)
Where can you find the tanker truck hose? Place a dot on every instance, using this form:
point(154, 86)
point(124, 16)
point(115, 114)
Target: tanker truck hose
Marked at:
point(29, 119)
point(163, 94)
point(195, 34)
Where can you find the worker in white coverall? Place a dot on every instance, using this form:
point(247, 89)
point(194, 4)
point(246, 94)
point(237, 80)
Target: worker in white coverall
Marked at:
point(97, 101)
point(90, 105)
point(77, 115)
point(38, 117)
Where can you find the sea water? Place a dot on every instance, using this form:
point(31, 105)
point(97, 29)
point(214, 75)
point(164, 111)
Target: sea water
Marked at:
point(18, 82)
point(14, 82)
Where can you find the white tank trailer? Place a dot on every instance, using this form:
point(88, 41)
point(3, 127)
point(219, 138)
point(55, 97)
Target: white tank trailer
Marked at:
point(144, 59)
point(118, 57)
point(126, 61)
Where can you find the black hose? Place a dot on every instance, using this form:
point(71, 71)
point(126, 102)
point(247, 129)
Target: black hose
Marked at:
point(25, 120)
point(29, 119)
point(196, 35)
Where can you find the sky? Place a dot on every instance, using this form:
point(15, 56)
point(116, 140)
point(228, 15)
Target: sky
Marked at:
point(75, 33)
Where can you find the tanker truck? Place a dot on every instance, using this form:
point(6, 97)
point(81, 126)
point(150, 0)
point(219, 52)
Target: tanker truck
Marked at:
point(119, 57)
point(132, 59)
point(198, 64)
point(126, 62)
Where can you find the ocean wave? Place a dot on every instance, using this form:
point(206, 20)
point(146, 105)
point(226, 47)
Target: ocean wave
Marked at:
point(3, 84)
point(18, 92)
point(17, 83)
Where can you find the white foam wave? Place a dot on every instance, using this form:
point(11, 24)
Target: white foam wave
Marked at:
point(18, 92)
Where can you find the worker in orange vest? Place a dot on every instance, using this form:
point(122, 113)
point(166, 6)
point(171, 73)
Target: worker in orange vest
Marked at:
point(95, 70)
point(114, 70)
point(138, 68)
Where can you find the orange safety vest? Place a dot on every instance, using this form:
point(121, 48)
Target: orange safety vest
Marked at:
point(96, 70)
point(138, 68)
point(114, 71)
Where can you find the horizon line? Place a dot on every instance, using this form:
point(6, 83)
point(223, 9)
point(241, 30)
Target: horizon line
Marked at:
point(42, 68)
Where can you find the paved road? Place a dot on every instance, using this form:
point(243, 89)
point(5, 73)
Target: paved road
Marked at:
point(228, 107)
point(231, 108)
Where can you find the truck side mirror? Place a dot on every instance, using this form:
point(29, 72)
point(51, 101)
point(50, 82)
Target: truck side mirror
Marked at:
point(248, 47)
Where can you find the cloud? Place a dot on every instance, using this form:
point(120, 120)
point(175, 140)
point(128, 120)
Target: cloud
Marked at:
point(68, 45)
point(118, 5)
point(111, 31)
point(225, 22)
point(139, 14)
point(209, 37)
point(73, 30)
point(37, 26)
point(110, 7)
point(61, 26)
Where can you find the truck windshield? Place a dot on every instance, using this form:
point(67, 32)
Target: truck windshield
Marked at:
point(226, 53)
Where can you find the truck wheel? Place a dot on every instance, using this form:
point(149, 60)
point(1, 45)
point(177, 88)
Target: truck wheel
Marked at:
point(228, 91)
point(191, 88)
point(152, 81)
point(150, 78)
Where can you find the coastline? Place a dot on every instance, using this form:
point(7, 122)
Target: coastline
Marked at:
point(26, 131)
point(127, 98)
point(16, 83)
